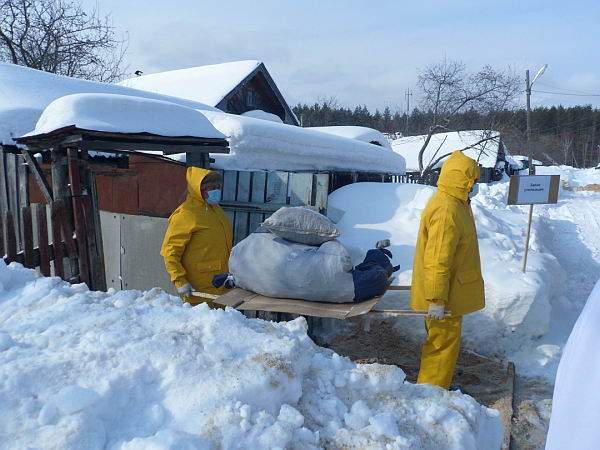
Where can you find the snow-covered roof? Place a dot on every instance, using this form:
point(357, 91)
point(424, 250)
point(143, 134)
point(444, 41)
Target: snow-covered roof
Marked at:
point(263, 145)
point(263, 115)
point(364, 134)
point(124, 114)
point(485, 153)
point(25, 93)
point(206, 84)
point(526, 158)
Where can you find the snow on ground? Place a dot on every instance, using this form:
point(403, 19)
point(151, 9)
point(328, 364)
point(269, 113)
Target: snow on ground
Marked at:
point(485, 153)
point(364, 134)
point(205, 84)
point(124, 114)
point(528, 316)
point(25, 91)
point(130, 370)
point(264, 145)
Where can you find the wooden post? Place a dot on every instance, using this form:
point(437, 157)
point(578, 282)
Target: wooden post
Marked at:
point(42, 232)
point(11, 238)
point(527, 238)
point(79, 218)
point(57, 245)
point(3, 182)
point(60, 179)
point(27, 237)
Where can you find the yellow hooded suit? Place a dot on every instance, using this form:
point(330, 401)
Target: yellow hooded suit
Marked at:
point(447, 269)
point(198, 240)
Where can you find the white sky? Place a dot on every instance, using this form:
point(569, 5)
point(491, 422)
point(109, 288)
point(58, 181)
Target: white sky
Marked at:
point(369, 52)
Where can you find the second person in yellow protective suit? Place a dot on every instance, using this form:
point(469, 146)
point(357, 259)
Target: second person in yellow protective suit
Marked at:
point(447, 268)
point(199, 237)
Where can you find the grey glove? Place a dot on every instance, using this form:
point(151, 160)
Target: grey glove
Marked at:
point(435, 311)
point(185, 290)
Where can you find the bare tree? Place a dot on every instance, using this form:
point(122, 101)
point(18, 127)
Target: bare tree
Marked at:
point(566, 144)
point(448, 89)
point(59, 36)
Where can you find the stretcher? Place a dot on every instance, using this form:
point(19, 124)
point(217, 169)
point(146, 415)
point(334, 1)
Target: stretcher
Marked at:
point(244, 300)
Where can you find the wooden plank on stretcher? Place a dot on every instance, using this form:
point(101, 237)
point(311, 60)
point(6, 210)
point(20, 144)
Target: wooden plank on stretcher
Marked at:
point(246, 300)
point(234, 297)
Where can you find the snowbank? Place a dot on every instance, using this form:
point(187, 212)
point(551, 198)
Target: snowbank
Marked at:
point(486, 153)
point(518, 306)
point(263, 145)
point(205, 84)
point(363, 134)
point(132, 370)
point(22, 88)
point(124, 114)
point(574, 177)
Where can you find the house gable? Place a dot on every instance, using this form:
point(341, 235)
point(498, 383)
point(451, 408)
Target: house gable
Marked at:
point(258, 91)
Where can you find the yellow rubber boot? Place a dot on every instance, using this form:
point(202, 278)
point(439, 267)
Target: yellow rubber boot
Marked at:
point(440, 351)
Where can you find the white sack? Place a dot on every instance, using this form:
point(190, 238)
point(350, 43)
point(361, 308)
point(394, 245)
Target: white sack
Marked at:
point(271, 266)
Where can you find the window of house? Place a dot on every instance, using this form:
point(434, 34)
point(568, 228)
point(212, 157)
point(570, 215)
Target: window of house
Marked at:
point(251, 97)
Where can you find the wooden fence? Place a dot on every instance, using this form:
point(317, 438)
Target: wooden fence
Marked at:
point(58, 238)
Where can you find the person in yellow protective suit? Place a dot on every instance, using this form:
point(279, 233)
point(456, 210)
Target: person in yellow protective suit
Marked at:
point(447, 269)
point(198, 239)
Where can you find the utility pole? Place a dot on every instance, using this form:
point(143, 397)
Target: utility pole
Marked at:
point(408, 94)
point(528, 92)
point(529, 157)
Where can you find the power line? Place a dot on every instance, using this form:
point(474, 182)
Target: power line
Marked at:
point(577, 91)
point(566, 93)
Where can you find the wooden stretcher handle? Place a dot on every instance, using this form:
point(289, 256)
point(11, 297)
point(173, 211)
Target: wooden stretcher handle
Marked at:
point(205, 295)
point(406, 312)
point(399, 288)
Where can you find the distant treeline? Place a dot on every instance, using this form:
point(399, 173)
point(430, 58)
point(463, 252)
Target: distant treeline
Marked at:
point(559, 135)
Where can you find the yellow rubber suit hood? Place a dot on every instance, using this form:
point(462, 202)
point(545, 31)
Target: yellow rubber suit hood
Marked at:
point(447, 267)
point(198, 240)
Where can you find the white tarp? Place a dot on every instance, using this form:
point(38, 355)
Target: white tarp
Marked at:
point(274, 267)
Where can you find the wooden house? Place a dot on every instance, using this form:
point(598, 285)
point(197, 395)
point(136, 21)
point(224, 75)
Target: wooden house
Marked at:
point(235, 87)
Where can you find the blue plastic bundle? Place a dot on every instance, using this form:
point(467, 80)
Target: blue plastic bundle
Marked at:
point(371, 277)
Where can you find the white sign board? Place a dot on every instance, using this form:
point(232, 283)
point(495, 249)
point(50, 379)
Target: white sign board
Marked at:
point(533, 189)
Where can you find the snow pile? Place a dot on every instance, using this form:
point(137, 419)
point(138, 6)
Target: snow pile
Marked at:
point(133, 370)
point(205, 84)
point(485, 153)
point(518, 306)
point(260, 114)
point(263, 145)
point(574, 177)
point(24, 89)
point(124, 114)
point(364, 134)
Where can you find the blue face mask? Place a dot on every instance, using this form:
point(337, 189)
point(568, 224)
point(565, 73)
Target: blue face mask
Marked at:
point(214, 197)
point(474, 191)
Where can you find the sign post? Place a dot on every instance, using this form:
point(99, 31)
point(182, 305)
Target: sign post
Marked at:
point(532, 190)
